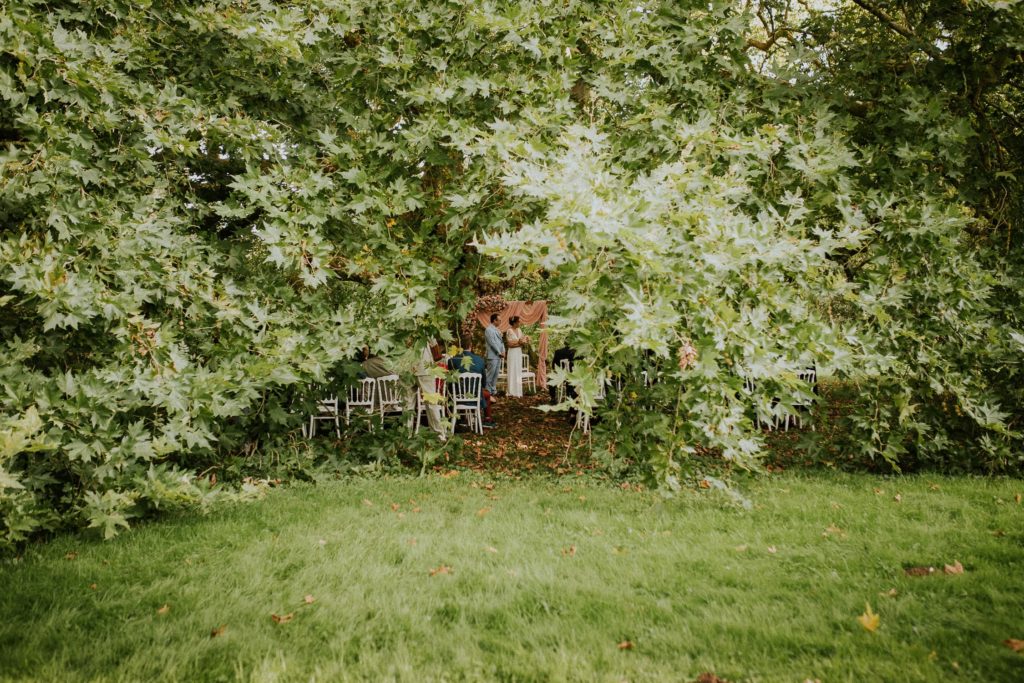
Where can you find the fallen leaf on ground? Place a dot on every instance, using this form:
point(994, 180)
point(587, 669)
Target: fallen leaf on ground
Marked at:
point(833, 530)
point(898, 498)
point(708, 677)
point(869, 620)
point(998, 533)
point(92, 586)
point(309, 599)
point(367, 503)
point(1014, 644)
point(933, 487)
point(70, 556)
point(491, 549)
point(395, 507)
point(570, 551)
point(705, 484)
point(321, 543)
point(772, 549)
point(918, 571)
point(219, 631)
point(626, 645)
point(164, 610)
point(955, 568)
point(443, 569)
point(282, 618)
point(891, 593)
point(489, 487)
point(879, 492)
point(1017, 499)
point(450, 473)
point(482, 511)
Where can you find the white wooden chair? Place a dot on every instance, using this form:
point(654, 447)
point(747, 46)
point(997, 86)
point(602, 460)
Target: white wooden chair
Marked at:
point(563, 365)
point(326, 411)
point(422, 406)
point(467, 399)
point(583, 417)
point(389, 396)
point(502, 375)
point(528, 377)
point(361, 399)
point(772, 423)
point(810, 376)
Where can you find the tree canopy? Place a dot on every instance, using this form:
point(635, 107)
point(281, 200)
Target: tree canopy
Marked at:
point(207, 206)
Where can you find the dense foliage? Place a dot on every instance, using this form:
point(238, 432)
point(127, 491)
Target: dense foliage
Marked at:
point(207, 206)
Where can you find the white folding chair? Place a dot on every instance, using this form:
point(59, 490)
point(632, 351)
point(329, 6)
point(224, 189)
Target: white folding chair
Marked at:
point(389, 396)
point(502, 374)
point(326, 411)
point(749, 386)
point(810, 376)
point(563, 365)
point(524, 372)
point(583, 417)
point(467, 397)
point(361, 398)
point(422, 406)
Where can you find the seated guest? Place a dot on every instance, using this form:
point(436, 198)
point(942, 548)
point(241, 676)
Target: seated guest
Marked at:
point(467, 361)
point(374, 366)
point(430, 354)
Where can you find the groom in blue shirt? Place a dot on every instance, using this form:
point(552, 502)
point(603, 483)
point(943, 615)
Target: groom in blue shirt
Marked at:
point(495, 351)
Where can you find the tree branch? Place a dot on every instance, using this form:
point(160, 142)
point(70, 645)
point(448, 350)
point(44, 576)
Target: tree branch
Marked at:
point(896, 26)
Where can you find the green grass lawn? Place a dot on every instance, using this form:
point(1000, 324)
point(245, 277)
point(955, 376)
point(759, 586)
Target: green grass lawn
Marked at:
point(453, 579)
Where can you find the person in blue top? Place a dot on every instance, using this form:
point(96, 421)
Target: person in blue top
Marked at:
point(495, 351)
point(467, 361)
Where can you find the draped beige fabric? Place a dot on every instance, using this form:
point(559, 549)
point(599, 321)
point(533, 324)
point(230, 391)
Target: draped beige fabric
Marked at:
point(529, 312)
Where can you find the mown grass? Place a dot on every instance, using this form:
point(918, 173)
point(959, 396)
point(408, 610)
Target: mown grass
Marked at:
point(547, 578)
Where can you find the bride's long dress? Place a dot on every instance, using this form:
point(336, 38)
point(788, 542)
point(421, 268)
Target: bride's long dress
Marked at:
point(514, 363)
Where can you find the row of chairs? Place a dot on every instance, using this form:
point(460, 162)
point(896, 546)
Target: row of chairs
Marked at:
point(808, 375)
point(370, 396)
point(377, 398)
point(796, 420)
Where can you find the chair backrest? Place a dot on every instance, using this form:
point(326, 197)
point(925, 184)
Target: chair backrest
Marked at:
point(387, 390)
point(362, 392)
point(327, 404)
point(809, 375)
point(564, 364)
point(467, 388)
point(524, 362)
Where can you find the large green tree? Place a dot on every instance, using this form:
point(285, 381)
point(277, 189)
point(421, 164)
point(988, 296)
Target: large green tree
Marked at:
point(207, 206)
point(932, 92)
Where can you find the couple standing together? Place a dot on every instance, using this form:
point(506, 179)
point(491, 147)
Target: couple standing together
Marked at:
point(515, 340)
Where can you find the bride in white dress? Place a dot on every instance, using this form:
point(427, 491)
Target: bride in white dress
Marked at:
point(514, 342)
